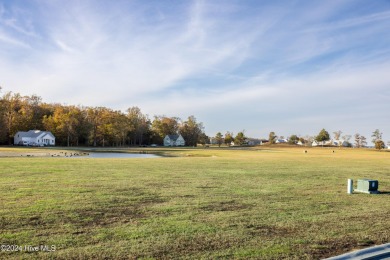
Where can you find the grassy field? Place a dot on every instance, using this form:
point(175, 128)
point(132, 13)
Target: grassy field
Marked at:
point(265, 203)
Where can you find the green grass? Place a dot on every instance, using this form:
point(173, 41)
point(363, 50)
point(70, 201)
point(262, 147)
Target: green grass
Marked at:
point(268, 203)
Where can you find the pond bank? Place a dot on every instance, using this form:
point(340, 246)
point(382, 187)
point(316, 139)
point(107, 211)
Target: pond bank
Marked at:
point(79, 154)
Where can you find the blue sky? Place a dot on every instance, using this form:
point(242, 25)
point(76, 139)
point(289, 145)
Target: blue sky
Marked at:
point(293, 67)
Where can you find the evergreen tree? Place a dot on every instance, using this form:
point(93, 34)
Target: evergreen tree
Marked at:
point(322, 136)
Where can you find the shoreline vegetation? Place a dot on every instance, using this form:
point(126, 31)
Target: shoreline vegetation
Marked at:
point(12, 151)
point(58, 151)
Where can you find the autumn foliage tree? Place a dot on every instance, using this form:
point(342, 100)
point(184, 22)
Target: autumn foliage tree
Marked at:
point(162, 126)
point(96, 126)
point(228, 138)
point(219, 138)
point(240, 138)
point(63, 123)
point(293, 139)
point(191, 131)
point(377, 139)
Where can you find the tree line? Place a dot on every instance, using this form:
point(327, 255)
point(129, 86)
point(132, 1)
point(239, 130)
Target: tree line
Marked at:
point(323, 136)
point(91, 126)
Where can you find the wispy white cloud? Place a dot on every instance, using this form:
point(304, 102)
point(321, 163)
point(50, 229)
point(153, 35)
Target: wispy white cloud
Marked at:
point(352, 22)
point(13, 23)
point(136, 60)
point(7, 39)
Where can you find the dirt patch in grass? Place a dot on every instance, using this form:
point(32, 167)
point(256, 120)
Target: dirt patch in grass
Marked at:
point(231, 205)
point(269, 230)
point(101, 217)
point(329, 248)
point(3, 222)
point(118, 212)
point(190, 196)
point(207, 187)
point(35, 220)
point(191, 245)
point(103, 213)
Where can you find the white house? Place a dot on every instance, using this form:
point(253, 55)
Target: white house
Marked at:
point(322, 143)
point(174, 140)
point(330, 143)
point(340, 143)
point(281, 141)
point(214, 140)
point(34, 138)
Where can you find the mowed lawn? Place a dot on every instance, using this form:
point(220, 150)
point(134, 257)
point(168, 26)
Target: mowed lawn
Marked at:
point(266, 203)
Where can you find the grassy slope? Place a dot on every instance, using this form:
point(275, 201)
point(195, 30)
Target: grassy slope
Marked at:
point(268, 204)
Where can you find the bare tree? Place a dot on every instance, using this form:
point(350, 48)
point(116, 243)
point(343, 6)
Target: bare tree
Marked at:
point(308, 140)
point(357, 140)
point(363, 141)
point(346, 138)
point(376, 135)
point(272, 136)
point(337, 134)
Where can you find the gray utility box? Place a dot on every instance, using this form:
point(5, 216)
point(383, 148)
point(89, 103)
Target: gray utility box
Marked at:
point(367, 186)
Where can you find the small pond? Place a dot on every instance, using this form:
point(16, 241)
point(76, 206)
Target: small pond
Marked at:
point(120, 155)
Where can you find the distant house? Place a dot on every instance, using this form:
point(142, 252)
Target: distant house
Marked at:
point(263, 141)
point(330, 143)
point(340, 143)
point(281, 141)
point(34, 138)
point(322, 143)
point(213, 140)
point(174, 140)
point(253, 141)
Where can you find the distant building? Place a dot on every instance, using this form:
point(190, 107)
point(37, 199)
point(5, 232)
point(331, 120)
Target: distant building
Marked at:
point(322, 143)
point(340, 143)
point(330, 143)
point(214, 140)
point(281, 141)
point(34, 138)
point(174, 140)
point(253, 141)
point(264, 141)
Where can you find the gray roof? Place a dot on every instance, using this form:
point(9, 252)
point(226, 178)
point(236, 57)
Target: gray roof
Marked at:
point(34, 133)
point(173, 137)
